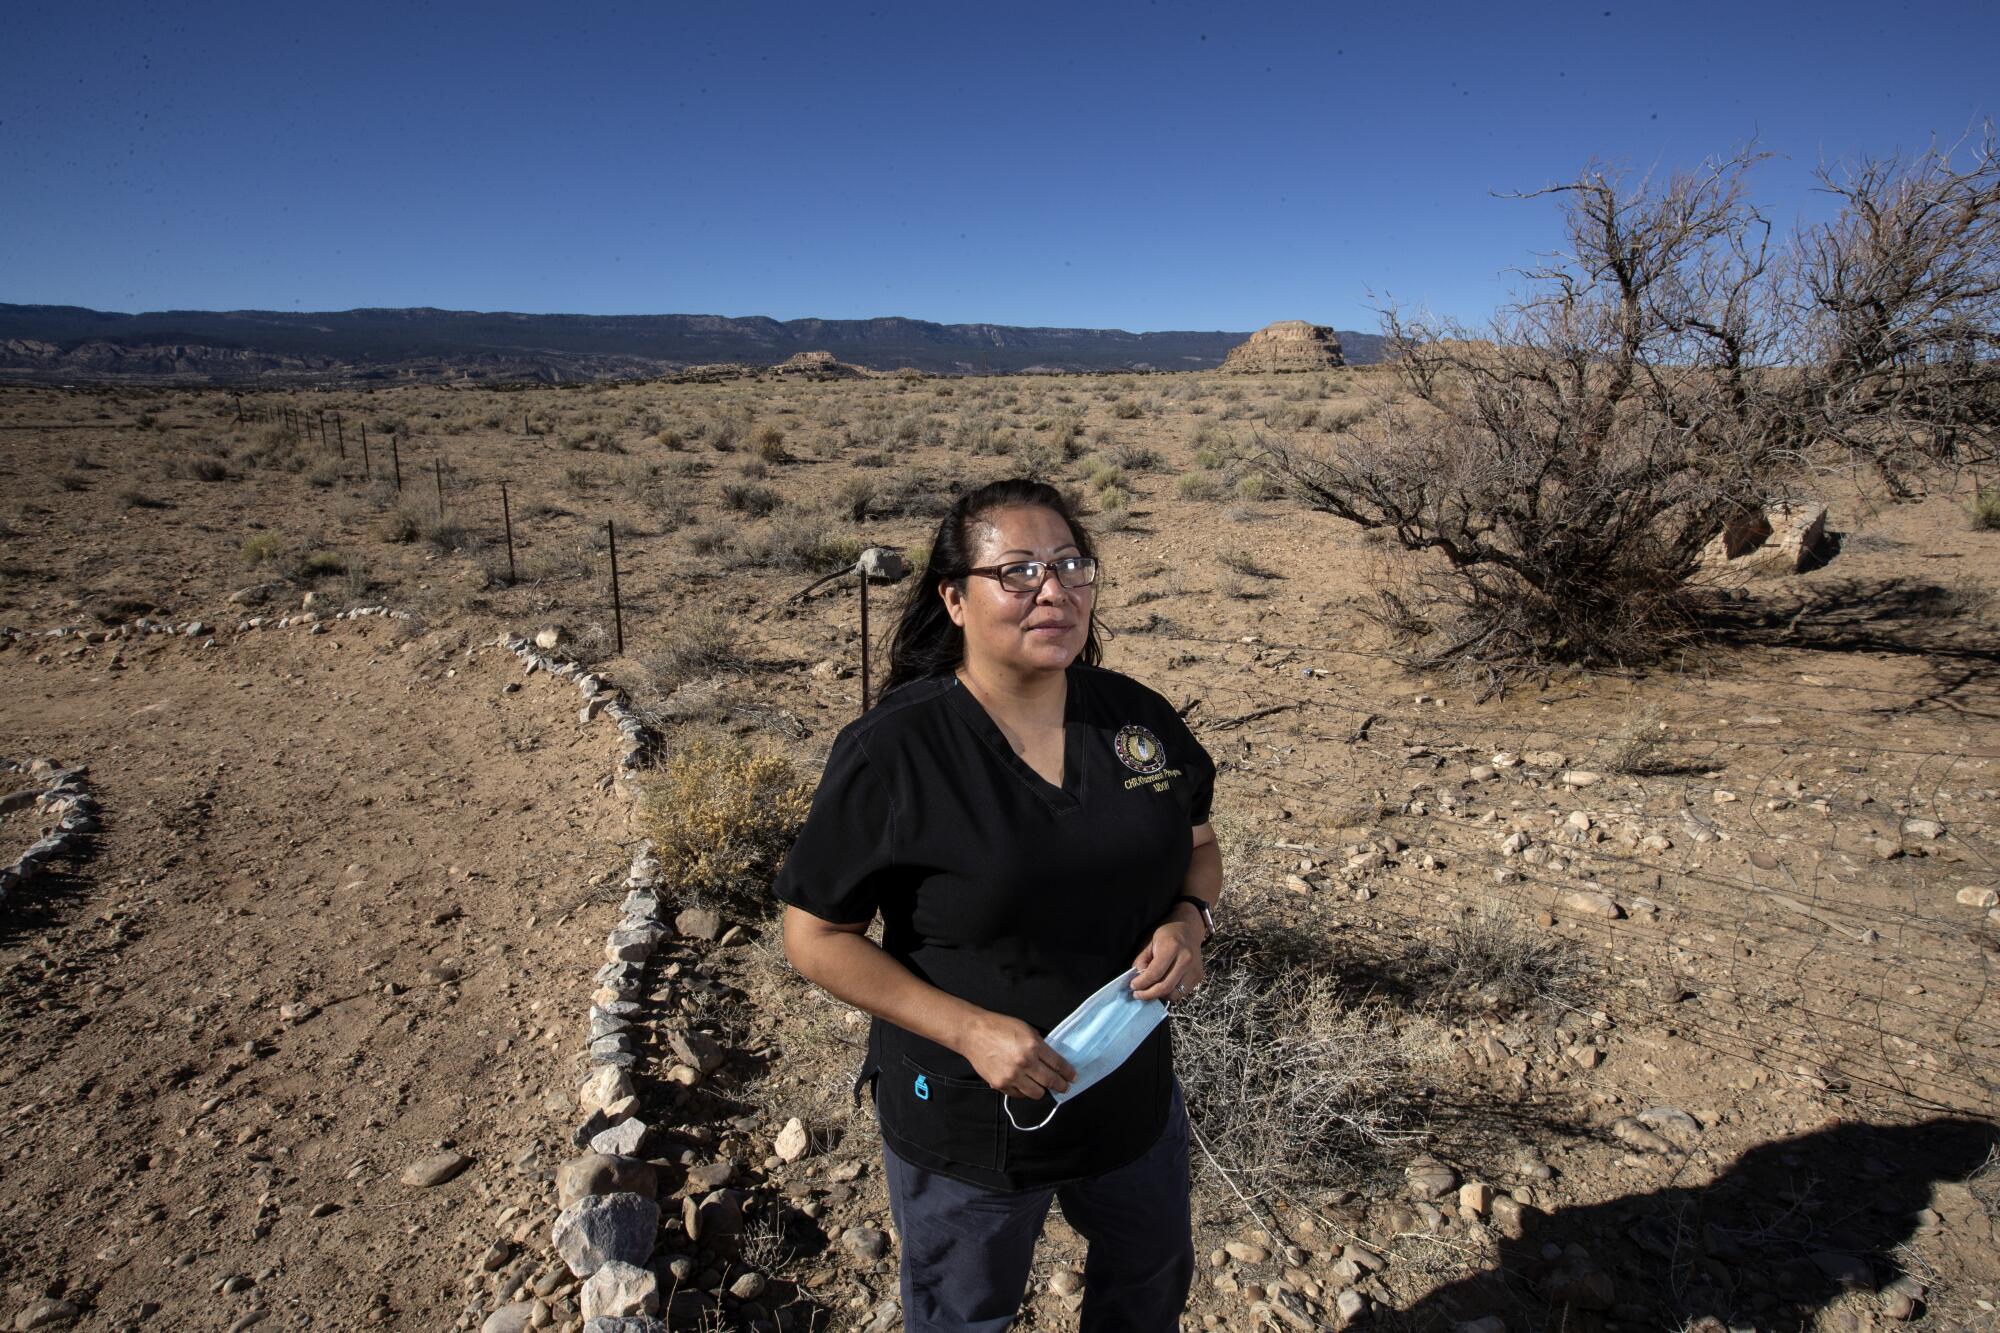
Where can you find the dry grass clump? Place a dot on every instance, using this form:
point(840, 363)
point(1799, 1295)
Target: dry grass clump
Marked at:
point(262, 548)
point(801, 541)
point(698, 641)
point(1291, 1083)
point(720, 818)
point(1493, 960)
point(756, 501)
point(1197, 486)
point(1984, 507)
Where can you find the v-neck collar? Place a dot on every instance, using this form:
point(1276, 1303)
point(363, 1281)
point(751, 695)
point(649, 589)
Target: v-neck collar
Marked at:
point(1060, 799)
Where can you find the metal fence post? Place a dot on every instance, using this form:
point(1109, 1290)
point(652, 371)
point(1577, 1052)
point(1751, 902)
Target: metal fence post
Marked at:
point(617, 610)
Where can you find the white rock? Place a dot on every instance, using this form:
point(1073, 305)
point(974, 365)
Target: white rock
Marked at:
point(603, 1087)
point(1978, 897)
point(792, 1141)
point(1589, 902)
point(618, 1290)
point(1581, 777)
point(622, 1139)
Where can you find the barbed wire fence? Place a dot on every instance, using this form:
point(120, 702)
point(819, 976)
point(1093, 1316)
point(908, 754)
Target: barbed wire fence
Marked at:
point(1779, 927)
point(1804, 952)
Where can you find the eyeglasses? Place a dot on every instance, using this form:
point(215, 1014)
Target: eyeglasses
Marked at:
point(1072, 571)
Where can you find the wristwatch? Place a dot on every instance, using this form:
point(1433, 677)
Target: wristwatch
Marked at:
point(1207, 916)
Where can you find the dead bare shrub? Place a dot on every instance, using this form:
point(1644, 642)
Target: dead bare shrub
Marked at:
point(1899, 337)
point(1561, 474)
point(1291, 1083)
point(1559, 471)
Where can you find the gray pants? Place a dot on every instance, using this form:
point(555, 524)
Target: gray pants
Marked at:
point(967, 1250)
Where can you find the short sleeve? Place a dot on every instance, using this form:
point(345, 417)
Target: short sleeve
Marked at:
point(1195, 762)
point(838, 868)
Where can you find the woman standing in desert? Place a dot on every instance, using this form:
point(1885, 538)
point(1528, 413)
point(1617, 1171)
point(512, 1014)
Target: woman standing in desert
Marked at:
point(1033, 831)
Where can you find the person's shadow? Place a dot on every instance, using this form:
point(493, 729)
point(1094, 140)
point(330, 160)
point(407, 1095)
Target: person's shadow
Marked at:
point(1780, 1235)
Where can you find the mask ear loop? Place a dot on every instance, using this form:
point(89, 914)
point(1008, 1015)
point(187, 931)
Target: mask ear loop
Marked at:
point(1006, 1105)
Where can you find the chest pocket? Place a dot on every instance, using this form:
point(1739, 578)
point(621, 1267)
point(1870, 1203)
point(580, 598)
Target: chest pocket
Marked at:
point(956, 1118)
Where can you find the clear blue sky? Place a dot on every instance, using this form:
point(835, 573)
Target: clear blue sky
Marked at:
point(1109, 165)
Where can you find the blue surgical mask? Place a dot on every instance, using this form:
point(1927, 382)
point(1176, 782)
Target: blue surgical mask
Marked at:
point(1097, 1037)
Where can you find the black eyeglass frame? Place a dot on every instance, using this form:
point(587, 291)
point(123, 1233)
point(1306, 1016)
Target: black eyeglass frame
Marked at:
point(998, 573)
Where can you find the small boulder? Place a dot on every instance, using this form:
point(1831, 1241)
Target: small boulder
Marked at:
point(603, 1173)
point(618, 1290)
point(792, 1140)
point(436, 1169)
point(603, 1228)
point(699, 923)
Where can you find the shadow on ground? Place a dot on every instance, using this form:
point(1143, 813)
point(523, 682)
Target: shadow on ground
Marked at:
point(1782, 1234)
point(1904, 616)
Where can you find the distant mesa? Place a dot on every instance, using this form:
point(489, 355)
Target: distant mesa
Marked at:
point(819, 366)
point(63, 344)
point(1287, 345)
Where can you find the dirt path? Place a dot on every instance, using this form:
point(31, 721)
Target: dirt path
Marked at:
point(365, 823)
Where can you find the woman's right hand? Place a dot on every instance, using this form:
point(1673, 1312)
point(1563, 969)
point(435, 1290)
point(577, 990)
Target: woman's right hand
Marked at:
point(1013, 1058)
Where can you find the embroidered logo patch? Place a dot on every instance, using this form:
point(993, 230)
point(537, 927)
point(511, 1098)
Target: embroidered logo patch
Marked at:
point(1139, 750)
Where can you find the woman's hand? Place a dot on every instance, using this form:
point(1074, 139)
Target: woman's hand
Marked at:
point(1170, 964)
point(1013, 1058)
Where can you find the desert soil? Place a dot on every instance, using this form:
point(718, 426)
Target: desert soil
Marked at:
point(1765, 1105)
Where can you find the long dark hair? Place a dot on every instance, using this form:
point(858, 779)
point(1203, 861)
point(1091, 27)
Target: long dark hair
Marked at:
point(927, 643)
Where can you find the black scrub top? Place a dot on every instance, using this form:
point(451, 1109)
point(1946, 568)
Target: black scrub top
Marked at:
point(1018, 895)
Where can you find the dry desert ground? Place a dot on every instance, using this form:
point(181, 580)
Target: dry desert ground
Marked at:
point(1663, 999)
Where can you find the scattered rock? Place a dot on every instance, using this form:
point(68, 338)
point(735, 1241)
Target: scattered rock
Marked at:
point(1066, 1282)
point(518, 1317)
point(631, 1324)
point(47, 1313)
point(603, 1173)
point(548, 637)
point(623, 1139)
point(1581, 777)
point(605, 1085)
point(865, 1243)
point(1672, 1124)
point(618, 1290)
point(1429, 1178)
point(601, 1228)
point(1246, 1252)
point(1632, 1134)
point(1589, 902)
point(1901, 1298)
point(749, 1286)
point(1978, 897)
point(435, 1169)
point(1474, 1199)
point(698, 1050)
point(699, 923)
point(792, 1141)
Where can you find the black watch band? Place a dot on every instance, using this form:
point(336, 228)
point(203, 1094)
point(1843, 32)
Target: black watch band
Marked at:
point(1207, 916)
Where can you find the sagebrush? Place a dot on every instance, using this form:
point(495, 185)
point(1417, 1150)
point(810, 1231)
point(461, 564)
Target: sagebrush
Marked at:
point(721, 817)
